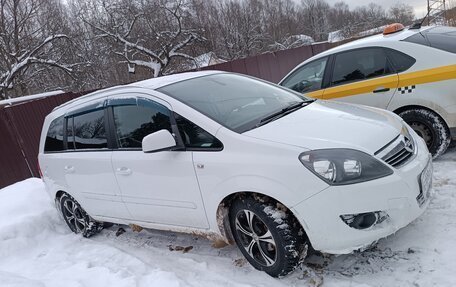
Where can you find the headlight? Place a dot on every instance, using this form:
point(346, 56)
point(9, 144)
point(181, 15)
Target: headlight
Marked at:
point(343, 166)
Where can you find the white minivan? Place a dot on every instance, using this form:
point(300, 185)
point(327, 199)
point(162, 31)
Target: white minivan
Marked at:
point(236, 159)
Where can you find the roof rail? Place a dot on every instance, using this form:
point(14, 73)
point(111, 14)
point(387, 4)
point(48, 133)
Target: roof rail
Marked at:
point(86, 96)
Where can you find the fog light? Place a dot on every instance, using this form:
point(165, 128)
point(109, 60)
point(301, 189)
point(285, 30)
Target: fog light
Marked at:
point(364, 220)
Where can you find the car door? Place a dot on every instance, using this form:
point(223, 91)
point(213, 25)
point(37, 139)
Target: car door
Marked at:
point(158, 187)
point(86, 162)
point(362, 76)
point(308, 79)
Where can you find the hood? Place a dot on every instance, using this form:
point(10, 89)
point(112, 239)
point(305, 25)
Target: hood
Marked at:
point(326, 124)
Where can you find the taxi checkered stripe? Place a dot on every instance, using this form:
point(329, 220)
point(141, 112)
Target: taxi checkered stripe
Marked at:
point(406, 89)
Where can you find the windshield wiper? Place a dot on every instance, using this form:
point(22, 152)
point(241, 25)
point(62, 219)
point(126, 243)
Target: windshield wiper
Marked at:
point(285, 111)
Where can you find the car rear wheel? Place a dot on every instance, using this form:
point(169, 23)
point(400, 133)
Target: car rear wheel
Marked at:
point(268, 235)
point(76, 218)
point(430, 127)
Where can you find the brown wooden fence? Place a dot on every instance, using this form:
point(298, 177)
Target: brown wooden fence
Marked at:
point(21, 123)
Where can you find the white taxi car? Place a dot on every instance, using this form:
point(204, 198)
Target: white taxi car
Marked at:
point(411, 72)
point(236, 159)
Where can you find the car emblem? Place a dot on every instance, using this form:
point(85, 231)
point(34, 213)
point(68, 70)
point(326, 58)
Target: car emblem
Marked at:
point(408, 145)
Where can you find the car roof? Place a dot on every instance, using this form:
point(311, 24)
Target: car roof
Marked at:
point(374, 40)
point(154, 83)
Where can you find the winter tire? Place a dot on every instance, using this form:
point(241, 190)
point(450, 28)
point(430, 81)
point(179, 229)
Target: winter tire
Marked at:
point(76, 218)
point(430, 127)
point(268, 235)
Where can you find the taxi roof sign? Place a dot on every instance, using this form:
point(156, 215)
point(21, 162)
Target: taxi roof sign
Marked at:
point(393, 28)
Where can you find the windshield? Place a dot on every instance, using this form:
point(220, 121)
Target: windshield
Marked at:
point(236, 102)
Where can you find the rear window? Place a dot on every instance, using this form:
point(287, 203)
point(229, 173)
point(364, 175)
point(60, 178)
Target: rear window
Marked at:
point(401, 62)
point(442, 38)
point(54, 137)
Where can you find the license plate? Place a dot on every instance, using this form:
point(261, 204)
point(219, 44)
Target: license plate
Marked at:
point(425, 183)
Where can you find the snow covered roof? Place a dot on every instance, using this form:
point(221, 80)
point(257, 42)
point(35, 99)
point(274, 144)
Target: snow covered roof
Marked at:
point(293, 41)
point(372, 31)
point(302, 38)
point(335, 36)
point(31, 97)
point(206, 59)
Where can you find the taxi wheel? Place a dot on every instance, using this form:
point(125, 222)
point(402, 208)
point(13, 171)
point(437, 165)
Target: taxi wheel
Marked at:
point(430, 127)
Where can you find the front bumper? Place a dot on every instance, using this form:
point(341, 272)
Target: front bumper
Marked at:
point(396, 195)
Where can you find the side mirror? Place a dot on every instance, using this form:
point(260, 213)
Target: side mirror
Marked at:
point(158, 141)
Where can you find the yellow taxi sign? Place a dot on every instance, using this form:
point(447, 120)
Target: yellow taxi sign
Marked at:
point(393, 28)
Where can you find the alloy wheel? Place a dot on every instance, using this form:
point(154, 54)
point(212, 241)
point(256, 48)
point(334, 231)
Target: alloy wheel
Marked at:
point(256, 238)
point(74, 216)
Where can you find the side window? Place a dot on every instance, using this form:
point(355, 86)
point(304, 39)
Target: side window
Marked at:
point(194, 136)
point(401, 62)
point(89, 130)
point(307, 78)
point(358, 65)
point(133, 123)
point(54, 137)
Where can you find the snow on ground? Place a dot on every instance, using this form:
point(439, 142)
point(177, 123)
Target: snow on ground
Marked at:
point(37, 249)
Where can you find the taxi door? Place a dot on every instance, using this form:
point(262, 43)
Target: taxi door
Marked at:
point(361, 76)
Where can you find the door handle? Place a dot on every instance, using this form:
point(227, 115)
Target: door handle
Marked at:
point(381, 90)
point(123, 171)
point(69, 169)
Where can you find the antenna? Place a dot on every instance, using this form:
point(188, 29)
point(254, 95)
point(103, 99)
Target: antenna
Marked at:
point(436, 12)
point(417, 25)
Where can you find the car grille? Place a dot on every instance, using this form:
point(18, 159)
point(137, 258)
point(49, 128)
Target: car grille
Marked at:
point(398, 152)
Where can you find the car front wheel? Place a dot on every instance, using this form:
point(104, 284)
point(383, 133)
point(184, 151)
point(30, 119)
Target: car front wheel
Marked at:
point(268, 235)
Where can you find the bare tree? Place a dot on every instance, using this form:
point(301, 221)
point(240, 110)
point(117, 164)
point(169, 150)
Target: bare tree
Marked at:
point(24, 45)
point(369, 17)
point(402, 13)
point(314, 13)
point(451, 13)
point(342, 19)
point(82, 45)
point(163, 39)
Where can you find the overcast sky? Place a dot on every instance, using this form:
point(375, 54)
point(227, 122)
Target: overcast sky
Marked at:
point(420, 6)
